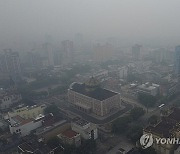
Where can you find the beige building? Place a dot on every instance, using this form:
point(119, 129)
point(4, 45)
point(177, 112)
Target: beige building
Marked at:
point(90, 97)
point(70, 137)
point(167, 127)
point(86, 129)
point(27, 112)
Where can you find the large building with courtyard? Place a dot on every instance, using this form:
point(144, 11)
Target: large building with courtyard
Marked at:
point(90, 97)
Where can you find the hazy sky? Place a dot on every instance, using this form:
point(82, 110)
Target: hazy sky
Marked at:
point(24, 21)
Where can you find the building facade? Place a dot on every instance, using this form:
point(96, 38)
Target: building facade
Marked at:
point(10, 64)
point(27, 112)
point(90, 97)
point(136, 49)
point(67, 52)
point(86, 129)
point(23, 127)
point(70, 137)
point(177, 61)
point(149, 88)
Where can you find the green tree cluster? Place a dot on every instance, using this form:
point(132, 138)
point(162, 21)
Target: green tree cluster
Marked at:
point(147, 100)
point(123, 124)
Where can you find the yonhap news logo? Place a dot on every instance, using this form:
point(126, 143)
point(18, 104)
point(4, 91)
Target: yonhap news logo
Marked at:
point(147, 141)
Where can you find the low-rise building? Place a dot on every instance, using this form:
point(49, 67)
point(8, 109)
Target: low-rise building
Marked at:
point(47, 132)
point(168, 127)
point(86, 129)
point(70, 137)
point(27, 112)
point(149, 88)
point(23, 127)
point(168, 88)
point(33, 147)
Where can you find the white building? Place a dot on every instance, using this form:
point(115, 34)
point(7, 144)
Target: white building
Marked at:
point(27, 112)
point(86, 129)
point(149, 88)
point(23, 127)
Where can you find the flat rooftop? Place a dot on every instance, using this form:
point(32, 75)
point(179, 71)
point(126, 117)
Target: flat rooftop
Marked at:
point(25, 147)
point(69, 133)
point(18, 121)
point(99, 93)
point(81, 122)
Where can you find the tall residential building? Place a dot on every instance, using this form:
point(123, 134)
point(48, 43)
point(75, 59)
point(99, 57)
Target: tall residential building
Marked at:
point(103, 53)
point(48, 54)
point(68, 52)
point(10, 64)
point(177, 61)
point(34, 60)
point(162, 55)
point(136, 49)
point(78, 42)
point(58, 57)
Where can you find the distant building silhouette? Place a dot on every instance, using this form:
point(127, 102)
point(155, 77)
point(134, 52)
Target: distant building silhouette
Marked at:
point(10, 64)
point(48, 54)
point(67, 51)
point(103, 53)
point(136, 49)
point(177, 61)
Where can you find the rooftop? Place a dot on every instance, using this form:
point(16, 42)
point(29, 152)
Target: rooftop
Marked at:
point(24, 147)
point(27, 107)
point(43, 130)
point(166, 125)
point(69, 133)
point(81, 122)
point(17, 121)
point(99, 93)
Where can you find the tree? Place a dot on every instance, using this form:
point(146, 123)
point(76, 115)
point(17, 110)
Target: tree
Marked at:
point(69, 149)
point(53, 142)
point(52, 109)
point(135, 132)
point(28, 101)
point(120, 125)
point(148, 151)
point(177, 103)
point(89, 146)
point(147, 100)
point(136, 113)
point(153, 119)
